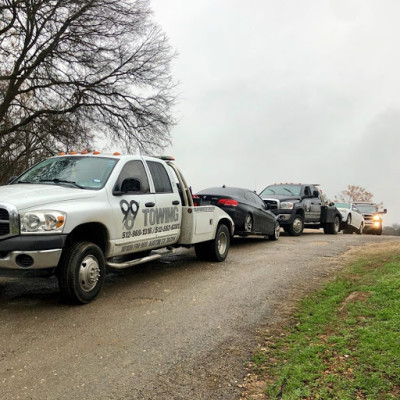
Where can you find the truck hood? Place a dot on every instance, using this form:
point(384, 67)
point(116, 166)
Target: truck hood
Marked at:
point(282, 197)
point(31, 195)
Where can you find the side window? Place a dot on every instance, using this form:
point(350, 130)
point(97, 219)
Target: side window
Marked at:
point(314, 189)
point(160, 177)
point(134, 170)
point(307, 191)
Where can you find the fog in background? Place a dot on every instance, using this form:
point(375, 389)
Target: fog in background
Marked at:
point(287, 91)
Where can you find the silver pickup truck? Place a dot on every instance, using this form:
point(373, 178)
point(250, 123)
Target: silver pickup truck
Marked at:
point(75, 215)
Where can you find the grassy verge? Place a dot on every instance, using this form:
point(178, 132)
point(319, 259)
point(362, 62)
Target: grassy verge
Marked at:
point(344, 342)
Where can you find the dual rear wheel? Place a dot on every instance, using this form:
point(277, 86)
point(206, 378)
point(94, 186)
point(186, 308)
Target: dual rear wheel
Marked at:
point(216, 249)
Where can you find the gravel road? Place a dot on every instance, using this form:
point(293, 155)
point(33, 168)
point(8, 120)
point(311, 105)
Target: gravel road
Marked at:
point(173, 329)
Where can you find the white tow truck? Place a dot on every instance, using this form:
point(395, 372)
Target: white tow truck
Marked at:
point(74, 215)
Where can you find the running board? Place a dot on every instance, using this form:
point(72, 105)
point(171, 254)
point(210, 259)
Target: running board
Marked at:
point(244, 233)
point(126, 264)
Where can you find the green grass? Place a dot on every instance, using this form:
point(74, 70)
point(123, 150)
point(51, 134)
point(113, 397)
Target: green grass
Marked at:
point(338, 348)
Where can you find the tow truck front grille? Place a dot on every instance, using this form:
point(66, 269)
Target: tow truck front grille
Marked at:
point(272, 204)
point(9, 222)
point(4, 222)
point(368, 217)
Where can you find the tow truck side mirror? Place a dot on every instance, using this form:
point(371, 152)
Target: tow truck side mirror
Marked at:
point(385, 210)
point(315, 193)
point(128, 185)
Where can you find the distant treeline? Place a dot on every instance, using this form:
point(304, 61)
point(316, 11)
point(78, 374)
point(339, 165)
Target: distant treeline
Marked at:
point(393, 230)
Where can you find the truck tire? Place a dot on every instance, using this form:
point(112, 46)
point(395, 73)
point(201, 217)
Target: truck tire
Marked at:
point(81, 272)
point(277, 232)
point(217, 249)
point(296, 227)
point(332, 228)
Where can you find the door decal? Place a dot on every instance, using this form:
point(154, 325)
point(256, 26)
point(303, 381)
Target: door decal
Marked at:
point(130, 211)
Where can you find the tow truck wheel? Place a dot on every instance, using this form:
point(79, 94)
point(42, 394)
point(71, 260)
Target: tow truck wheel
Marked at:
point(333, 227)
point(217, 249)
point(81, 272)
point(297, 226)
point(277, 232)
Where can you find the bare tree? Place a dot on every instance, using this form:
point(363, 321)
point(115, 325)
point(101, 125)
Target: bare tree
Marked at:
point(355, 193)
point(21, 149)
point(72, 70)
point(393, 230)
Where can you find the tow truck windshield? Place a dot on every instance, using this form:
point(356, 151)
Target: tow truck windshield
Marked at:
point(294, 190)
point(80, 172)
point(367, 208)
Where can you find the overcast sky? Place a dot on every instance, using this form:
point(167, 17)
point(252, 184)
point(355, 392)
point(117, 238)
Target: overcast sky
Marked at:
point(287, 91)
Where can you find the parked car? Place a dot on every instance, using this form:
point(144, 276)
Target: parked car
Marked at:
point(353, 221)
point(246, 208)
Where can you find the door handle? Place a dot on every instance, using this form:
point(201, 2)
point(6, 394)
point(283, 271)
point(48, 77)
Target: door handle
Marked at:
point(150, 204)
point(175, 202)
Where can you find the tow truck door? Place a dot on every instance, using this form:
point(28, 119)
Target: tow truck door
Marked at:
point(312, 204)
point(167, 214)
point(131, 230)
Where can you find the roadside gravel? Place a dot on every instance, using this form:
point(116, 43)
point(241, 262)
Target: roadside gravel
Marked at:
point(173, 329)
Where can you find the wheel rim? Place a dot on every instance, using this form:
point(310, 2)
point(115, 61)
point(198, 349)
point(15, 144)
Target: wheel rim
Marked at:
point(248, 223)
point(277, 230)
point(89, 273)
point(297, 225)
point(337, 223)
point(222, 243)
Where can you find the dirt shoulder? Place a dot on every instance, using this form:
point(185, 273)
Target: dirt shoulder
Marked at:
point(254, 384)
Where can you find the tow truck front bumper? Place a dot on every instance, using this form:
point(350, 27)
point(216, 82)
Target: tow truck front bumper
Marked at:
point(26, 253)
point(372, 226)
point(285, 217)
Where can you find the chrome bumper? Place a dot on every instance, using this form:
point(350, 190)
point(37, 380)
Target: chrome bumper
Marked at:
point(40, 259)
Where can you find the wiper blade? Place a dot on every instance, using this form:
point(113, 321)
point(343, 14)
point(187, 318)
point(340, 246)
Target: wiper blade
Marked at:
point(289, 191)
point(25, 182)
point(58, 181)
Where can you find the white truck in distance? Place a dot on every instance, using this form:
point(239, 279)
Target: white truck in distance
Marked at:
point(76, 215)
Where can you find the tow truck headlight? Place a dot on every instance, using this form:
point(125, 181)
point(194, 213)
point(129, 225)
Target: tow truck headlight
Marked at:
point(376, 218)
point(286, 205)
point(42, 222)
